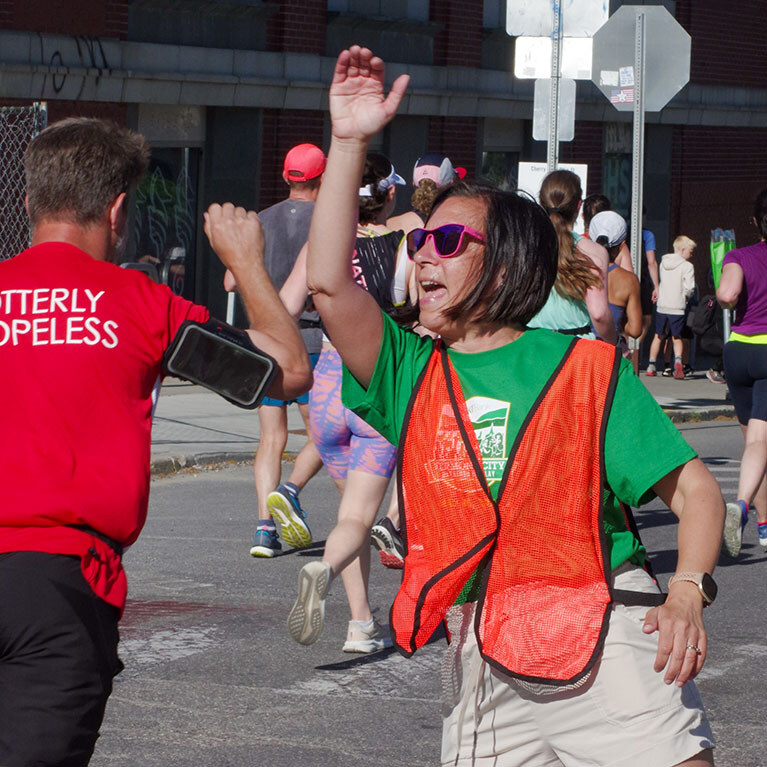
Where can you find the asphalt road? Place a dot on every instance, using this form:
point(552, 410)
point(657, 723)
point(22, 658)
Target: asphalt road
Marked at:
point(212, 678)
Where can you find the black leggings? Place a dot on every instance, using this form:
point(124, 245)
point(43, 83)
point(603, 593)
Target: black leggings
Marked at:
point(745, 368)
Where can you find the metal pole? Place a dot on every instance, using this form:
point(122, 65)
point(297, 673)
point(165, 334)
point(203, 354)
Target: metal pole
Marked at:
point(637, 169)
point(556, 57)
point(230, 302)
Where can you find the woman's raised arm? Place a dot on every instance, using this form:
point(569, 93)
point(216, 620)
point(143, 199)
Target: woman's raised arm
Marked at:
point(358, 110)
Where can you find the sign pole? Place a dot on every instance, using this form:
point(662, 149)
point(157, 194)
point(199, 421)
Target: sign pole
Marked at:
point(637, 170)
point(230, 304)
point(556, 57)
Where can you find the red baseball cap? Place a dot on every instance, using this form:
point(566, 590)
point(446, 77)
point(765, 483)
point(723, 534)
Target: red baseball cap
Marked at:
point(303, 163)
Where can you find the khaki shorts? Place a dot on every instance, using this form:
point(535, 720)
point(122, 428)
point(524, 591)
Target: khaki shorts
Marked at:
point(623, 715)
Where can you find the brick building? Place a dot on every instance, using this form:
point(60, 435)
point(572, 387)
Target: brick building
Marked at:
point(222, 88)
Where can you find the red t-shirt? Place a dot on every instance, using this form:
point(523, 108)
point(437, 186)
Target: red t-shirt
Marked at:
point(81, 344)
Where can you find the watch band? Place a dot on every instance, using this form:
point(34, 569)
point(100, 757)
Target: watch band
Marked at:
point(697, 579)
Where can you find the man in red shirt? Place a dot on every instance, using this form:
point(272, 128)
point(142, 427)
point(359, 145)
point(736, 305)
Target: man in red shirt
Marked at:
point(81, 347)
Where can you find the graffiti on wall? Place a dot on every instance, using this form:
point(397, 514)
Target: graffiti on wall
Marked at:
point(165, 224)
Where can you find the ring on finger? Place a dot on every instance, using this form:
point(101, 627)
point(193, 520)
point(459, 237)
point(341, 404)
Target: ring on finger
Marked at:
point(694, 648)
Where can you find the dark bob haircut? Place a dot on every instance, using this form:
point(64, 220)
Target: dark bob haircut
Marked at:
point(520, 258)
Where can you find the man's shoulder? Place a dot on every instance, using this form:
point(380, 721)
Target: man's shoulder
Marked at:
point(286, 207)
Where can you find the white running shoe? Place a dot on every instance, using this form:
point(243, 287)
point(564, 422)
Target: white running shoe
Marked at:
point(360, 639)
point(307, 616)
point(735, 519)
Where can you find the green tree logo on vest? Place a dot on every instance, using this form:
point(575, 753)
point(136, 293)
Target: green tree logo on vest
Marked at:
point(490, 417)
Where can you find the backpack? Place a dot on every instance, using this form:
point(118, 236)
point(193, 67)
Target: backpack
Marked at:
point(705, 321)
point(703, 316)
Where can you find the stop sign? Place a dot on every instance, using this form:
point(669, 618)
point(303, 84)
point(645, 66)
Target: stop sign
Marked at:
point(667, 57)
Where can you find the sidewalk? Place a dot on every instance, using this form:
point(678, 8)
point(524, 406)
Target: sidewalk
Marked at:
point(194, 427)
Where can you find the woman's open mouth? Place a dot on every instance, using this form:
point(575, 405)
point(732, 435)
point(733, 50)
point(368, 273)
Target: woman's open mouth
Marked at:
point(431, 291)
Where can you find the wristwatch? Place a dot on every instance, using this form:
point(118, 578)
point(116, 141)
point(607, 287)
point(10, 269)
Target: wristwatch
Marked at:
point(705, 583)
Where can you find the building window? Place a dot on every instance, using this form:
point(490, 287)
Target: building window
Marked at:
point(501, 169)
point(616, 170)
point(165, 225)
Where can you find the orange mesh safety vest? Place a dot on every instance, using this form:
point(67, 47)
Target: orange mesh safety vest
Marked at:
point(543, 609)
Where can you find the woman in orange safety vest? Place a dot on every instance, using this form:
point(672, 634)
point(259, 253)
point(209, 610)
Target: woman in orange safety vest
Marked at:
point(516, 464)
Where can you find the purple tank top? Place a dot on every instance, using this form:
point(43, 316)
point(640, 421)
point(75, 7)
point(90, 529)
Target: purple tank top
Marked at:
point(751, 311)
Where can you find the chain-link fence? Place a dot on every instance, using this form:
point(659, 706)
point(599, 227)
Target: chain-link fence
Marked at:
point(18, 126)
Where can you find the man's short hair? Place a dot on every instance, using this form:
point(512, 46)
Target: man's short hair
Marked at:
point(76, 167)
point(310, 185)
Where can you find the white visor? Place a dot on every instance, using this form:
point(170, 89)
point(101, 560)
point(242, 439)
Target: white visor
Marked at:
point(385, 183)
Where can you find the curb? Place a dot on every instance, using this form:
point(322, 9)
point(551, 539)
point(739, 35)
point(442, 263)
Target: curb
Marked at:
point(167, 465)
point(725, 413)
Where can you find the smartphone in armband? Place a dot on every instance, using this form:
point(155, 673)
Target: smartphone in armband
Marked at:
point(221, 358)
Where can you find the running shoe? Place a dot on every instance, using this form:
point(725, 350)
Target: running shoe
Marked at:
point(360, 639)
point(286, 511)
point(762, 528)
point(651, 371)
point(667, 372)
point(715, 376)
point(678, 371)
point(265, 543)
point(307, 616)
point(736, 516)
point(386, 538)
point(689, 372)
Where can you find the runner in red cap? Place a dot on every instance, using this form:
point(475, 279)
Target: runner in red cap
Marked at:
point(303, 163)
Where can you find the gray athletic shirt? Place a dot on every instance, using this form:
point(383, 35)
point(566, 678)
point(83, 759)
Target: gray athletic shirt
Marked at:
point(286, 229)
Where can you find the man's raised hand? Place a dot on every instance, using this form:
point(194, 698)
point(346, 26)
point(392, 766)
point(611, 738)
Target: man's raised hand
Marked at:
point(235, 234)
point(358, 107)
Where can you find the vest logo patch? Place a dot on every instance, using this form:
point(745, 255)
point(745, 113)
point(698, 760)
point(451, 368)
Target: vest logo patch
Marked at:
point(490, 418)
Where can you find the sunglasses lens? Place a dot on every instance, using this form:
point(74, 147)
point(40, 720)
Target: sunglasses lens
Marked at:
point(414, 241)
point(447, 239)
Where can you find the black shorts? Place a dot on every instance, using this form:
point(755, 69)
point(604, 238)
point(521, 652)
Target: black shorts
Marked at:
point(58, 656)
point(745, 368)
point(672, 324)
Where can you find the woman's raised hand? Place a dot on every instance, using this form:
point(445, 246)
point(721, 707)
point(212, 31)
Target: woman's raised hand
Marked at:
point(358, 107)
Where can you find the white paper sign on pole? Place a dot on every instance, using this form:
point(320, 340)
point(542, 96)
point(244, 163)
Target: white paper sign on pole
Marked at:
point(531, 175)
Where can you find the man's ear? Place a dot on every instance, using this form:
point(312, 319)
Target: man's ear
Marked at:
point(118, 213)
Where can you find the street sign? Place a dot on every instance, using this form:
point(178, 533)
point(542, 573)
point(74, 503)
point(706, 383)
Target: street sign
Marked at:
point(542, 110)
point(580, 18)
point(641, 61)
point(531, 175)
point(556, 20)
point(532, 58)
point(667, 57)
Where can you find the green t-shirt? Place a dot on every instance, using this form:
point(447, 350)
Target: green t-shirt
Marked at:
point(500, 386)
